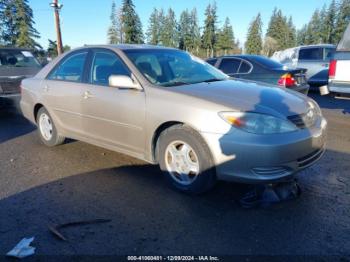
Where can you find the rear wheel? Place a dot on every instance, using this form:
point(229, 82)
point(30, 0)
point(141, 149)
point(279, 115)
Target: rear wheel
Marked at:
point(47, 129)
point(185, 160)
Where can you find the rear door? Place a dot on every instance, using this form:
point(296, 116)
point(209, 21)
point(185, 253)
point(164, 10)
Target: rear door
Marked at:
point(113, 116)
point(63, 91)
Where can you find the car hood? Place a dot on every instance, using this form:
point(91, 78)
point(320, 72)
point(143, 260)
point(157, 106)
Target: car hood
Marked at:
point(249, 96)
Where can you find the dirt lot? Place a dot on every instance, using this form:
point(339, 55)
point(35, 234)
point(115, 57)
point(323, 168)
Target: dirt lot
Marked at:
point(76, 181)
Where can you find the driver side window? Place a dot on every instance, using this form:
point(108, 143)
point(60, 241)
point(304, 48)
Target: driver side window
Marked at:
point(104, 65)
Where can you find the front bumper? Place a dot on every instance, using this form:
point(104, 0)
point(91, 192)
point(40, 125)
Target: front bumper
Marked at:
point(249, 158)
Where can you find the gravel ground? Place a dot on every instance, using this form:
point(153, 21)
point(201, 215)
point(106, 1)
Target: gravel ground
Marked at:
point(40, 186)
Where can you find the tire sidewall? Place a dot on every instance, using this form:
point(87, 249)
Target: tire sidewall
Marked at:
point(206, 177)
point(53, 140)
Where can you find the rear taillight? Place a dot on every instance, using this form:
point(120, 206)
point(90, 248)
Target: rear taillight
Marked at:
point(287, 80)
point(332, 69)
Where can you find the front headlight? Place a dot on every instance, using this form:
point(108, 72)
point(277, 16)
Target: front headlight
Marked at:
point(315, 107)
point(258, 123)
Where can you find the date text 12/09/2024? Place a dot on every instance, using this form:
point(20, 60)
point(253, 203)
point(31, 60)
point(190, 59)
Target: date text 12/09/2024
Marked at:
point(173, 258)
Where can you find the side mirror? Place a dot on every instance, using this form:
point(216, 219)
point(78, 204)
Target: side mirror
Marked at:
point(121, 81)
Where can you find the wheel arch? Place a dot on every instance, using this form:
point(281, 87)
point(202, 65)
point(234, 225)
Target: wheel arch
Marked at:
point(36, 110)
point(160, 129)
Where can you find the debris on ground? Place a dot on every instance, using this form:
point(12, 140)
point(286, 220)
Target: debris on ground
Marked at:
point(266, 195)
point(55, 229)
point(22, 249)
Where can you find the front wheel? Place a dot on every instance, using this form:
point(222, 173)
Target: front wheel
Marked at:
point(47, 129)
point(185, 160)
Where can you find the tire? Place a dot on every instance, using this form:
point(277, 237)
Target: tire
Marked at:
point(48, 136)
point(190, 169)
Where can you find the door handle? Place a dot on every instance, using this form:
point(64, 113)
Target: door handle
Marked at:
point(87, 95)
point(46, 88)
point(325, 65)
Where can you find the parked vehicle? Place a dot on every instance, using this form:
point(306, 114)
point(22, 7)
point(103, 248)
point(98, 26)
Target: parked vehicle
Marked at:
point(262, 69)
point(170, 108)
point(339, 76)
point(15, 65)
point(315, 58)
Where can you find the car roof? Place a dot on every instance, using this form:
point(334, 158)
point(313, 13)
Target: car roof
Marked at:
point(130, 46)
point(319, 45)
point(15, 48)
point(238, 56)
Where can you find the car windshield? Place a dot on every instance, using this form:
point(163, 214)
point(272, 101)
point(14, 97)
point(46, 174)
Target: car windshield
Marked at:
point(17, 58)
point(166, 67)
point(344, 44)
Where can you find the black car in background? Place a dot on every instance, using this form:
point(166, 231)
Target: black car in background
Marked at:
point(262, 69)
point(15, 64)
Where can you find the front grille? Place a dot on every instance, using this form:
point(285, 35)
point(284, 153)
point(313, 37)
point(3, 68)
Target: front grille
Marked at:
point(310, 158)
point(272, 171)
point(10, 87)
point(303, 120)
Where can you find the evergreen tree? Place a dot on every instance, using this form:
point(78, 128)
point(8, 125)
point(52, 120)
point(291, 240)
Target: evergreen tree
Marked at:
point(343, 19)
point(153, 31)
point(17, 24)
point(278, 29)
point(329, 23)
point(302, 36)
point(169, 33)
point(113, 32)
point(226, 39)
point(185, 34)
point(292, 39)
point(25, 25)
point(313, 31)
point(195, 31)
point(323, 27)
point(209, 32)
point(52, 49)
point(253, 45)
point(131, 23)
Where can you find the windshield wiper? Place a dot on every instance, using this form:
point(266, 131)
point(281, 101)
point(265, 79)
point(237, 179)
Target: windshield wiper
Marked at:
point(212, 80)
point(178, 83)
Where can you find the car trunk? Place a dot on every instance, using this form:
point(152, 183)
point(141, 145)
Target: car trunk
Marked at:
point(11, 77)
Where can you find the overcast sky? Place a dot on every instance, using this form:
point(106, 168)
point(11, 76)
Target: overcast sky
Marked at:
point(86, 21)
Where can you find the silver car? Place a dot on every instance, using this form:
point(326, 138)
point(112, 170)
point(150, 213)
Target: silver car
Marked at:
point(170, 108)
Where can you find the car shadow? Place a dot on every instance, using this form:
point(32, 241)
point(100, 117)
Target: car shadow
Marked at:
point(150, 217)
point(12, 123)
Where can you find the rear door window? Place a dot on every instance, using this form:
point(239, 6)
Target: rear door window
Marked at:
point(344, 44)
point(311, 53)
point(244, 68)
point(71, 69)
point(328, 53)
point(230, 65)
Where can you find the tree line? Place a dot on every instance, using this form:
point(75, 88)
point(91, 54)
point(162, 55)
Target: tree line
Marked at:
point(326, 26)
point(17, 28)
point(165, 29)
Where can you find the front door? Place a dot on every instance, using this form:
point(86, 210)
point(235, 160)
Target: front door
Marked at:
point(113, 116)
